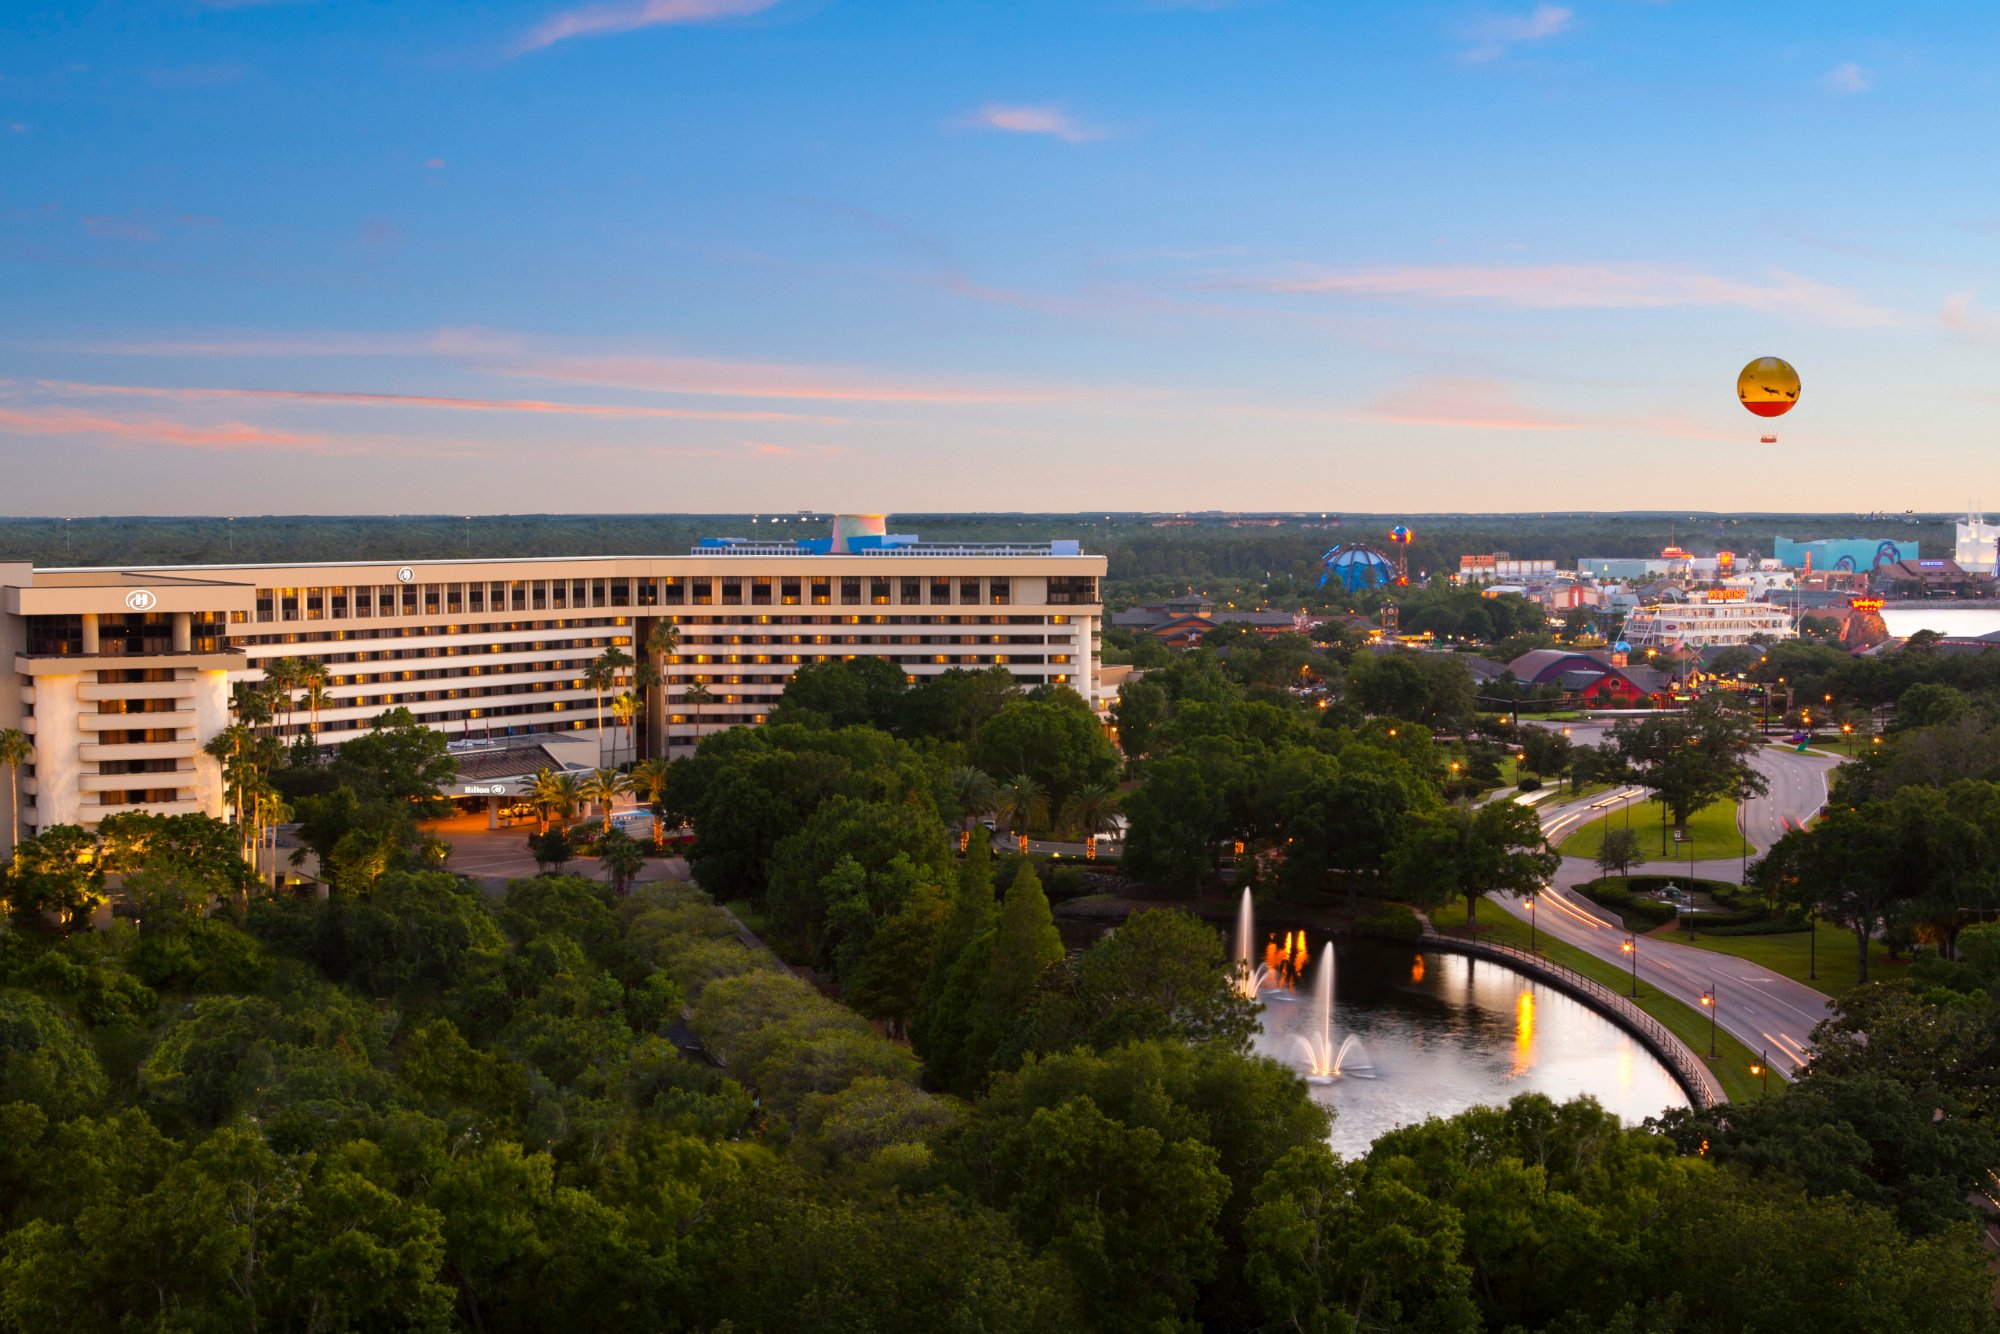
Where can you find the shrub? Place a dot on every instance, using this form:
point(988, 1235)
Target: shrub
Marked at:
point(1617, 895)
point(1529, 784)
point(1393, 920)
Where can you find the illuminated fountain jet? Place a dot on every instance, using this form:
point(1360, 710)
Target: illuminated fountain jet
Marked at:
point(1324, 1061)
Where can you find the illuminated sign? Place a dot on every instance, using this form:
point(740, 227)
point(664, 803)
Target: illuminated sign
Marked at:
point(1865, 604)
point(484, 790)
point(1726, 595)
point(1675, 553)
point(141, 600)
point(405, 575)
point(1725, 560)
point(1930, 565)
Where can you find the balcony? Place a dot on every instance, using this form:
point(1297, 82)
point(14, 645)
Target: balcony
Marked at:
point(176, 778)
point(101, 752)
point(139, 690)
point(123, 722)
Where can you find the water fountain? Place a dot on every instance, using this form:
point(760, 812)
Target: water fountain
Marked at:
point(1326, 1062)
point(1251, 977)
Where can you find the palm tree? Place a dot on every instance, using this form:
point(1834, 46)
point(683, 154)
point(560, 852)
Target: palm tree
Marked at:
point(232, 746)
point(975, 792)
point(696, 697)
point(1091, 811)
point(645, 676)
point(555, 791)
point(311, 675)
point(605, 786)
point(281, 682)
point(15, 751)
point(1023, 804)
point(600, 676)
point(662, 643)
point(624, 709)
point(650, 778)
point(271, 812)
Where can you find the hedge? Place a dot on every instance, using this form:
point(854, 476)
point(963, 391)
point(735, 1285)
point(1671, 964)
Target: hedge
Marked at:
point(1768, 926)
point(1393, 920)
point(1609, 893)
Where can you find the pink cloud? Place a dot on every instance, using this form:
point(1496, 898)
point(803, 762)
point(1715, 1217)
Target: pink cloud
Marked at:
point(463, 342)
point(769, 450)
point(434, 163)
point(225, 436)
point(1613, 286)
point(596, 20)
point(1048, 120)
point(729, 379)
point(1463, 403)
point(528, 405)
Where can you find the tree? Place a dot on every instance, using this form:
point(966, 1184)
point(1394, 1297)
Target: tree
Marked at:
point(1024, 946)
point(1470, 851)
point(884, 982)
point(555, 792)
point(1162, 976)
point(1619, 851)
point(1022, 805)
point(15, 750)
point(45, 1059)
point(311, 675)
point(602, 676)
point(1053, 739)
point(697, 697)
point(1434, 689)
point(1141, 707)
point(1090, 811)
point(604, 787)
point(651, 779)
point(856, 692)
point(623, 858)
point(973, 792)
point(551, 848)
point(1692, 758)
point(1175, 822)
point(58, 871)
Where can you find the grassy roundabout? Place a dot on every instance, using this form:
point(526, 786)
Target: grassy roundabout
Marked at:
point(1713, 829)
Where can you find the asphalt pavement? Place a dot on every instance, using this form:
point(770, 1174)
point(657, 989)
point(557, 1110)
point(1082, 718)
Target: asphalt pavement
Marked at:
point(1765, 1011)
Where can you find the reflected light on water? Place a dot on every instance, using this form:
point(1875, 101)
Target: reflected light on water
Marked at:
point(1417, 970)
point(1524, 1032)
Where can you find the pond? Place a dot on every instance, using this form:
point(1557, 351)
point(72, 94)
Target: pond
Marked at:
point(1438, 1033)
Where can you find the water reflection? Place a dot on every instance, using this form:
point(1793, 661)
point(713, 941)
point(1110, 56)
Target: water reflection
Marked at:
point(1445, 1033)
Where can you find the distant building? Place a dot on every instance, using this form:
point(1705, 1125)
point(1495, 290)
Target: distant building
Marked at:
point(1977, 550)
point(1931, 579)
point(1500, 565)
point(1621, 567)
point(1597, 677)
point(1841, 553)
point(1723, 616)
point(1183, 621)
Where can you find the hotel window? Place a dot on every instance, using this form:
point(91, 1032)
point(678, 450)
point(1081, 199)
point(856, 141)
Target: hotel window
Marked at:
point(732, 592)
point(968, 592)
point(911, 591)
point(878, 590)
point(1070, 590)
point(760, 590)
point(850, 591)
point(288, 604)
point(454, 599)
point(673, 592)
point(267, 604)
point(940, 589)
point(1000, 590)
point(822, 591)
point(597, 594)
point(621, 591)
point(517, 595)
point(788, 591)
point(475, 597)
point(431, 599)
point(649, 592)
point(315, 604)
point(336, 603)
point(409, 599)
point(559, 593)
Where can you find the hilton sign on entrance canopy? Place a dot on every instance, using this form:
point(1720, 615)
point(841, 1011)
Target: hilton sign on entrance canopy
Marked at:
point(483, 790)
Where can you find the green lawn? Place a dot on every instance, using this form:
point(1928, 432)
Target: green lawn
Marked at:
point(1838, 968)
point(1733, 1060)
point(1713, 829)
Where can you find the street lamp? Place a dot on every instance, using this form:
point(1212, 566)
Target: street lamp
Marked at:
point(1530, 902)
point(1631, 949)
point(1708, 1002)
point(1762, 1069)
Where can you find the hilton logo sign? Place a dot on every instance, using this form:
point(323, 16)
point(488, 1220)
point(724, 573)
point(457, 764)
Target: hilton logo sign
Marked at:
point(140, 599)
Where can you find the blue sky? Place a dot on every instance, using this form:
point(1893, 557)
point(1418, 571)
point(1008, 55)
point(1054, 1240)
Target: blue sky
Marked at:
point(780, 254)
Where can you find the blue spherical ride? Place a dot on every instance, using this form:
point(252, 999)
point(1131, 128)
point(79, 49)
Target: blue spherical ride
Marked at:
point(1357, 567)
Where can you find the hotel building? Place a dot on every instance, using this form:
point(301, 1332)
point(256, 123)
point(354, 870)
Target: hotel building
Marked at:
point(1724, 618)
point(121, 676)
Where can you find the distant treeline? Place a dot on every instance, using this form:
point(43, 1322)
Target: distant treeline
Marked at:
point(1149, 547)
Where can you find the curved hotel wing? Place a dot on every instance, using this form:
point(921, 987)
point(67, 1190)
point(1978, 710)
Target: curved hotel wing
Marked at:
point(123, 675)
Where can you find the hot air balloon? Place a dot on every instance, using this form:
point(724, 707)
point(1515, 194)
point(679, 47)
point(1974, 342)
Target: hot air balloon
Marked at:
point(1768, 387)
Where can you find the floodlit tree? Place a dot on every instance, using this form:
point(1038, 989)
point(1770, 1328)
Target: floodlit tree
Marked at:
point(1467, 851)
point(1619, 851)
point(15, 750)
point(1692, 758)
point(604, 787)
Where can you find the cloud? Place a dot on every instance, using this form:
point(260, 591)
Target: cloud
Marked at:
point(124, 229)
point(126, 430)
point(1846, 77)
point(1463, 403)
point(1491, 37)
point(16, 127)
point(339, 398)
point(768, 450)
point(460, 342)
point(434, 163)
point(1610, 286)
point(1048, 120)
point(595, 20)
point(184, 77)
point(735, 379)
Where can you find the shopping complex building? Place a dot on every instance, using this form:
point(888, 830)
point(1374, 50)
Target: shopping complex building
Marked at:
point(121, 676)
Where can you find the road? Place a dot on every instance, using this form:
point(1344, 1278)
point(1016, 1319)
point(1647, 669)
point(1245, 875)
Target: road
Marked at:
point(1766, 1012)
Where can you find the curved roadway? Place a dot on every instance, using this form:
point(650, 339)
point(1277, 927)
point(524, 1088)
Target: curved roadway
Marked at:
point(1765, 1011)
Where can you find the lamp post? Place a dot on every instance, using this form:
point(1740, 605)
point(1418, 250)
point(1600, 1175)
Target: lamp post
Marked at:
point(1708, 1001)
point(1530, 902)
point(1631, 949)
point(1762, 1069)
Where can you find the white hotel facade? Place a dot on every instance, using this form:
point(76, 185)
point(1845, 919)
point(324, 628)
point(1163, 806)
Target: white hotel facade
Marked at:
point(121, 676)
